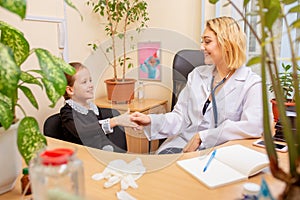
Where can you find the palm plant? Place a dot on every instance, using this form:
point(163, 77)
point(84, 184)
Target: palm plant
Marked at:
point(14, 51)
point(268, 12)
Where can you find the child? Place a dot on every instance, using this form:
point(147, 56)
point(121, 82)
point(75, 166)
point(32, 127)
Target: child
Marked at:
point(84, 123)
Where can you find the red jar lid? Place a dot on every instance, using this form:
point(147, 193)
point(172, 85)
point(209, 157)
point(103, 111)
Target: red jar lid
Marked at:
point(57, 156)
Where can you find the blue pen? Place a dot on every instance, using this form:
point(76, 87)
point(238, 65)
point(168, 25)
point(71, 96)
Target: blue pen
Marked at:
point(210, 159)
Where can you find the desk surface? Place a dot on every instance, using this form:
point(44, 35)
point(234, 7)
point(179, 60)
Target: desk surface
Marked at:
point(163, 180)
point(135, 105)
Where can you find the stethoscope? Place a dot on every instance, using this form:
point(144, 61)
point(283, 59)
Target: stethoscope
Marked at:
point(213, 98)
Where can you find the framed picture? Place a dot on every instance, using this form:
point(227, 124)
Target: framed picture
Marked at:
point(149, 61)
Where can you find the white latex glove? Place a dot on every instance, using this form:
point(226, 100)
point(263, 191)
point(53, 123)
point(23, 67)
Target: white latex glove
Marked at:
point(124, 120)
point(123, 195)
point(120, 171)
point(123, 172)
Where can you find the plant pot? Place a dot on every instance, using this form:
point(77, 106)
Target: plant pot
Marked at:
point(120, 91)
point(275, 109)
point(10, 158)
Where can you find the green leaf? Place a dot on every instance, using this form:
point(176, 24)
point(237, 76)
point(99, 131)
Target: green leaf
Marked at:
point(286, 67)
point(273, 14)
point(253, 61)
point(121, 35)
point(296, 24)
point(68, 2)
point(9, 72)
point(213, 1)
point(15, 6)
point(7, 100)
point(28, 78)
point(16, 41)
point(30, 96)
point(66, 68)
point(294, 9)
point(246, 3)
point(6, 115)
point(286, 2)
point(51, 92)
point(266, 3)
point(30, 139)
point(54, 78)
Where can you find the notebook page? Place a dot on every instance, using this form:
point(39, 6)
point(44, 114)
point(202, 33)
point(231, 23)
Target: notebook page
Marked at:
point(216, 175)
point(246, 160)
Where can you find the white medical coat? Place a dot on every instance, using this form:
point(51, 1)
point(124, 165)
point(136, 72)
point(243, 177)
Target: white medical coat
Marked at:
point(239, 107)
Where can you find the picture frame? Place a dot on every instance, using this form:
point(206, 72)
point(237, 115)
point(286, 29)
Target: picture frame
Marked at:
point(149, 61)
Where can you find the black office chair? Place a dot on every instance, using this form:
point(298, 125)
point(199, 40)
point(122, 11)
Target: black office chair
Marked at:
point(53, 127)
point(184, 62)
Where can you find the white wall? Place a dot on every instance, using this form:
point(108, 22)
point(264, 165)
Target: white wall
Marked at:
point(176, 24)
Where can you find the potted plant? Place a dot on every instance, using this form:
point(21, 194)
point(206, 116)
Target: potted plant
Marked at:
point(120, 15)
point(267, 13)
point(286, 82)
point(14, 51)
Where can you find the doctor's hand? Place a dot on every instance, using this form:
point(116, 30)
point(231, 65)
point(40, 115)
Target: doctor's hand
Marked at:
point(193, 144)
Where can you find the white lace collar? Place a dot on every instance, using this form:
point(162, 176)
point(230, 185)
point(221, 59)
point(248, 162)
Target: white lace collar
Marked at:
point(79, 108)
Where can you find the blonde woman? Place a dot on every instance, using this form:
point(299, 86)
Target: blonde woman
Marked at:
point(222, 100)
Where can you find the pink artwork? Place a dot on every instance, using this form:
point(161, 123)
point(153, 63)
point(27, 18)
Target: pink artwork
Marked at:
point(149, 61)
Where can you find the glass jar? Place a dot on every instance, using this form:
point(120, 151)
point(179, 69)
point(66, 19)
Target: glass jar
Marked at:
point(57, 174)
point(141, 91)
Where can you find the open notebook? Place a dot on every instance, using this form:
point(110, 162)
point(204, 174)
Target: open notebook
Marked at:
point(230, 164)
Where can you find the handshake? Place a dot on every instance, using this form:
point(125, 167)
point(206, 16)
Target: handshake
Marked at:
point(135, 120)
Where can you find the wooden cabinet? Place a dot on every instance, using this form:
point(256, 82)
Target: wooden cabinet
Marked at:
point(136, 140)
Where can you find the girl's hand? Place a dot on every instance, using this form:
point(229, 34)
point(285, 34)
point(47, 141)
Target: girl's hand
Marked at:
point(124, 120)
point(140, 118)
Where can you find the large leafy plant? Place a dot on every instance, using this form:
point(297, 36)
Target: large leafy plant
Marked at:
point(268, 12)
point(120, 14)
point(14, 51)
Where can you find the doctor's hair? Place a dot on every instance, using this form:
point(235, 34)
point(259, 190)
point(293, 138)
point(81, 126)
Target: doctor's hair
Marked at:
point(71, 78)
point(231, 39)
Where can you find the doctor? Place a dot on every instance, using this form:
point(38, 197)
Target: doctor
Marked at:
point(222, 100)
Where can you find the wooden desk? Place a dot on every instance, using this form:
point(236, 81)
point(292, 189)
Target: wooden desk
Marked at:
point(136, 140)
point(163, 179)
point(146, 106)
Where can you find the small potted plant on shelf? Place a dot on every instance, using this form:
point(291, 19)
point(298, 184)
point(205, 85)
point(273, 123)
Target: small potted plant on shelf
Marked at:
point(267, 13)
point(120, 16)
point(17, 132)
point(286, 82)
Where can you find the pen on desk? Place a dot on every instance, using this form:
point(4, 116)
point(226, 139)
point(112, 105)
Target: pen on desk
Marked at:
point(210, 159)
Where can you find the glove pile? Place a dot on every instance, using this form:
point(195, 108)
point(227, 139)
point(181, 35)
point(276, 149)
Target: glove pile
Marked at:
point(125, 173)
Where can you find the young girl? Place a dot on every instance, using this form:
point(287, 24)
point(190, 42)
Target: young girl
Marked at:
point(84, 123)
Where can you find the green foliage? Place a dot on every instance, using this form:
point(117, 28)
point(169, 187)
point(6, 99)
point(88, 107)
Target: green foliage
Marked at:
point(283, 83)
point(286, 82)
point(16, 6)
point(30, 139)
point(119, 15)
point(69, 3)
point(14, 50)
